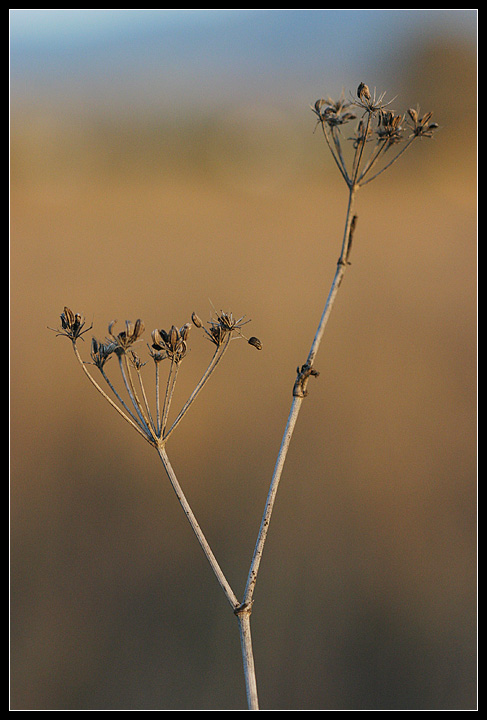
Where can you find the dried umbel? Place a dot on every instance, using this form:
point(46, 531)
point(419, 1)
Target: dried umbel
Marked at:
point(378, 128)
point(222, 326)
point(170, 345)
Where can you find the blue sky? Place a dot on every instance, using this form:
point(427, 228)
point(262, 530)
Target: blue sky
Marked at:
point(198, 54)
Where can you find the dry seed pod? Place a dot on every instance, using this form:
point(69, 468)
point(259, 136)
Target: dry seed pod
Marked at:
point(184, 331)
point(256, 343)
point(413, 114)
point(363, 91)
point(196, 321)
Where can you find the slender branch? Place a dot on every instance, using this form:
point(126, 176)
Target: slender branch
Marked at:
point(139, 429)
point(338, 160)
point(358, 156)
point(230, 595)
point(336, 140)
point(117, 395)
point(374, 157)
point(170, 385)
point(158, 409)
point(403, 150)
point(298, 396)
point(146, 403)
point(220, 351)
point(129, 385)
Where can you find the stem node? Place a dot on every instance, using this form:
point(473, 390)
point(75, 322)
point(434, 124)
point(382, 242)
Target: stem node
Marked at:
point(304, 373)
point(244, 608)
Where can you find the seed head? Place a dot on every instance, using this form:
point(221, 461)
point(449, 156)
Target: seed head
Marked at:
point(127, 337)
point(172, 343)
point(332, 111)
point(421, 126)
point(72, 325)
point(135, 360)
point(389, 127)
point(101, 352)
point(370, 103)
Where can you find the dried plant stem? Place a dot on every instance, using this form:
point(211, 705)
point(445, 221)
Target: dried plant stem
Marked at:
point(243, 616)
point(171, 384)
point(298, 397)
point(129, 384)
point(110, 401)
point(146, 404)
point(396, 157)
point(158, 400)
point(230, 595)
point(219, 353)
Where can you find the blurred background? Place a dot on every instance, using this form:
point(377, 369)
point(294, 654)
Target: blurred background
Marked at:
point(163, 162)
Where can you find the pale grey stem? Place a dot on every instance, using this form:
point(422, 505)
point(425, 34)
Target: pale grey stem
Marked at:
point(204, 379)
point(296, 406)
point(115, 392)
point(243, 616)
point(405, 147)
point(358, 156)
point(374, 157)
point(230, 595)
point(158, 408)
point(266, 518)
point(336, 140)
point(340, 271)
point(170, 385)
point(133, 397)
point(146, 403)
point(340, 165)
point(135, 425)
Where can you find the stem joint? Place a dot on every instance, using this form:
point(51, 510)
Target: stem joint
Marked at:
point(304, 373)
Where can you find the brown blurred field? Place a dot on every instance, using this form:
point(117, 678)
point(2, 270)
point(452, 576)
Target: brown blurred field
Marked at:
point(367, 592)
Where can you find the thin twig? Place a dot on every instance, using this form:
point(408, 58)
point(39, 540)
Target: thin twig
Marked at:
point(401, 152)
point(296, 405)
point(219, 352)
point(146, 404)
point(129, 385)
point(158, 409)
point(140, 430)
point(230, 595)
point(338, 160)
point(170, 385)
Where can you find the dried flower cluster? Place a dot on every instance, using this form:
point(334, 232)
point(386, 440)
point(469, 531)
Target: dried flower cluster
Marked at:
point(374, 122)
point(169, 345)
